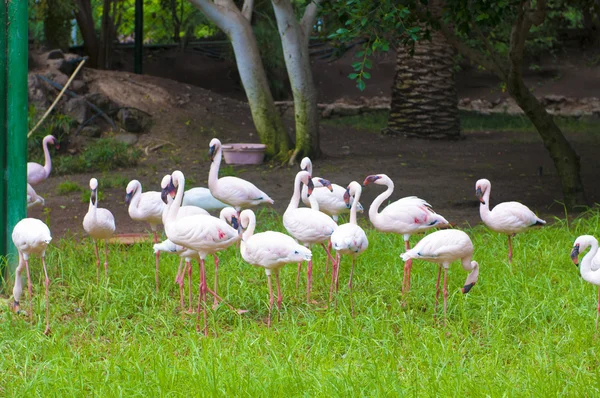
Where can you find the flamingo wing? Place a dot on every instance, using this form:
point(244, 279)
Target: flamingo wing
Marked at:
point(35, 173)
point(308, 226)
point(513, 217)
point(241, 191)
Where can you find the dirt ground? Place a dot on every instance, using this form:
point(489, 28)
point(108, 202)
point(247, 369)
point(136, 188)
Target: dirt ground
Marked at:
point(186, 117)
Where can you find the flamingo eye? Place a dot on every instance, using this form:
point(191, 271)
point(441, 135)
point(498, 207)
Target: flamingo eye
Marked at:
point(296, 252)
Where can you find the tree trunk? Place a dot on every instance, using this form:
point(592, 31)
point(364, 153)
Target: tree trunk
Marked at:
point(424, 100)
point(104, 56)
point(297, 61)
point(562, 153)
point(265, 115)
point(85, 20)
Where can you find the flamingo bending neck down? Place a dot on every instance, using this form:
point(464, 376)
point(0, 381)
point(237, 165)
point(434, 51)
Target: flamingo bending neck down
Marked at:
point(147, 207)
point(444, 247)
point(234, 191)
point(31, 236)
point(99, 223)
point(308, 226)
point(202, 234)
point(405, 216)
point(508, 218)
point(37, 173)
point(590, 265)
point(270, 250)
point(349, 239)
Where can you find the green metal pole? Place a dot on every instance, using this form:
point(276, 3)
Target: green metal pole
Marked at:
point(16, 155)
point(138, 52)
point(3, 135)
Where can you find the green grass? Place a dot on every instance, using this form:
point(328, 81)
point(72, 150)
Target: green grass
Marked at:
point(104, 154)
point(525, 329)
point(67, 187)
point(471, 122)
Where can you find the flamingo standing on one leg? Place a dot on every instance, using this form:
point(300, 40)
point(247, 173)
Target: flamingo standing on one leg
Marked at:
point(308, 226)
point(99, 223)
point(270, 250)
point(31, 236)
point(590, 265)
point(234, 191)
point(200, 233)
point(444, 247)
point(147, 207)
point(37, 173)
point(348, 238)
point(508, 218)
point(405, 216)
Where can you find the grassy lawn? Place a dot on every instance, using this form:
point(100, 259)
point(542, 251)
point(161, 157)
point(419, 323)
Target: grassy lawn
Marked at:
point(525, 329)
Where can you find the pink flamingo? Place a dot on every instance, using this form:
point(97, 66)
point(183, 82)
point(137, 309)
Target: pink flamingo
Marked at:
point(508, 218)
point(589, 267)
point(37, 173)
point(405, 216)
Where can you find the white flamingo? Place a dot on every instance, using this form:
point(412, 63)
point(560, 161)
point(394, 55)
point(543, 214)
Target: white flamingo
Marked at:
point(147, 207)
point(37, 173)
point(406, 216)
point(444, 247)
point(590, 265)
point(201, 197)
point(308, 226)
point(33, 198)
point(271, 251)
point(234, 191)
point(31, 236)
point(331, 203)
point(349, 239)
point(200, 233)
point(99, 223)
point(508, 218)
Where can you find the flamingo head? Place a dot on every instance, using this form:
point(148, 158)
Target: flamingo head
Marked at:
point(94, 188)
point(55, 142)
point(347, 197)
point(373, 179)
point(230, 216)
point(306, 165)
point(481, 186)
point(575, 254)
point(310, 186)
point(168, 188)
point(213, 148)
point(130, 190)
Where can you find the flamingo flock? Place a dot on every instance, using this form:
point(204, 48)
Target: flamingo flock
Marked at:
point(193, 234)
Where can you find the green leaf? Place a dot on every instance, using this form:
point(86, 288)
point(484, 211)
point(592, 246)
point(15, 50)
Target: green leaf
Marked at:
point(361, 84)
point(366, 75)
point(353, 76)
point(368, 64)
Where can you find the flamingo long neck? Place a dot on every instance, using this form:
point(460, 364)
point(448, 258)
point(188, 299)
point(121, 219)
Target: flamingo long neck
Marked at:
point(295, 201)
point(374, 215)
point(247, 233)
point(174, 208)
point(47, 160)
point(484, 208)
point(354, 207)
point(309, 168)
point(586, 265)
point(93, 207)
point(213, 175)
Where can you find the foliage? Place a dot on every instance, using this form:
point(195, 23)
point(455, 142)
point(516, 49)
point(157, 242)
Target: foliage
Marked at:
point(50, 22)
point(102, 155)
point(67, 187)
point(525, 329)
point(56, 124)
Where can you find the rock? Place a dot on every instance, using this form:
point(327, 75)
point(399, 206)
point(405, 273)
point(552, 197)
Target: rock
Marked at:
point(553, 99)
point(78, 86)
point(126, 138)
point(67, 67)
point(55, 54)
point(59, 78)
point(102, 101)
point(346, 110)
point(77, 109)
point(133, 120)
point(38, 91)
point(92, 131)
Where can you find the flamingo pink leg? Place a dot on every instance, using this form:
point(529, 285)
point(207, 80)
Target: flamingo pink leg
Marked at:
point(279, 296)
point(598, 313)
point(328, 250)
point(350, 285)
point(188, 265)
point(407, 267)
point(157, 260)
point(29, 290)
point(97, 260)
point(334, 267)
point(437, 293)
point(202, 298)
point(309, 283)
point(445, 294)
point(179, 279)
point(337, 272)
point(510, 251)
point(106, 258)
point(270, 299)
point(222, 300)
point(47, 284)
point(215, 301)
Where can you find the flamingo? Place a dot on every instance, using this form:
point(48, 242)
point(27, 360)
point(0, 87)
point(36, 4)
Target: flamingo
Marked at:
point(99, 223)
point(270, 250)
point(201, 197)
point(147, 207)
point(31, 236)
point(590, 264)
point(37, 173)
point(443, 247)
point(308, 226)
point(234, 191)
point(331, 203)
point(405, 216)
point(33, 198)
point(508, 218)
point(200, 233)
point(349, 239)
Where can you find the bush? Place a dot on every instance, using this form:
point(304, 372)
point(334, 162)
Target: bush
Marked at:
point(102, 155)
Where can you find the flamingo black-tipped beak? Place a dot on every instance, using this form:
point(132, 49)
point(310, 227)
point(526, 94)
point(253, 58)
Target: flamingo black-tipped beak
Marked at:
point(234, 222)
point(128, 198)
point(575, 255)
point(211, 152)
point(326, 184)
point(479, 194)
point(310, 186)
point(347, 197)
point(56, 145)
point(163, 195)
point(467, 288)
point(93, 196)
point(171, 189)
point(370, 179)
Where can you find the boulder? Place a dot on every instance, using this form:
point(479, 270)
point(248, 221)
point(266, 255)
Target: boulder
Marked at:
point(55, 54)
point(133, 120)
point(126, 138)
point(77, 109)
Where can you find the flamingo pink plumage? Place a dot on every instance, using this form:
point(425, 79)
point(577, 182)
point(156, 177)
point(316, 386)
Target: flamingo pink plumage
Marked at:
point(37, 173)
point(508, 218)
point(405, 216)
point(590, 265)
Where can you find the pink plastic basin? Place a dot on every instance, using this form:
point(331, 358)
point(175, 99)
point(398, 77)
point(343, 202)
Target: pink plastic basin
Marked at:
point(244, 153)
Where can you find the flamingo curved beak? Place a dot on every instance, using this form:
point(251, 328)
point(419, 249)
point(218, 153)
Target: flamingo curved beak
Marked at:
point(347, 197)
point(171, 189)
point(326, 184)
point(93, 196)
point(211, 152)
point(128, 198)
point(163, 195)
point(467, 288)
point(479, 194)
point(310, 186)
point(575, 255)
point(370, 179)
point(234, 223)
